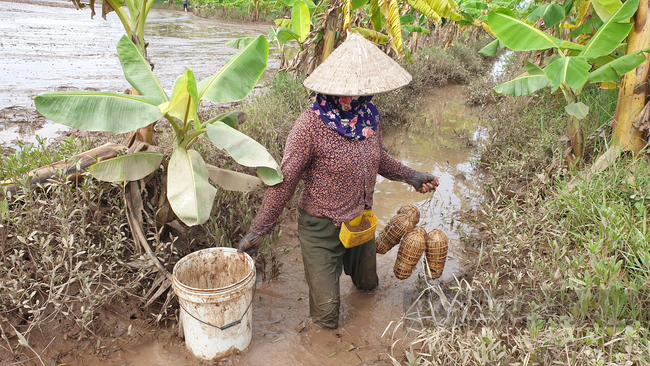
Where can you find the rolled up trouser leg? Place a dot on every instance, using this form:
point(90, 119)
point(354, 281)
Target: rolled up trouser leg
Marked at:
point(360, 263)
point(322, 255)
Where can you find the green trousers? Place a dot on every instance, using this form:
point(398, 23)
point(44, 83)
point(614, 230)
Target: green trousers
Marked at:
point(325, 257)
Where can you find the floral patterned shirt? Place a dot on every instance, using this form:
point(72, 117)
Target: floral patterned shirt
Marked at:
point(339, 173)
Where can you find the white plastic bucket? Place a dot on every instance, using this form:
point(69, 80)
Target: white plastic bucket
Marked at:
point(215, 291)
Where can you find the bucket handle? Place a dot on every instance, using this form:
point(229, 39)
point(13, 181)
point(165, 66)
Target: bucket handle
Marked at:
point(229, 325)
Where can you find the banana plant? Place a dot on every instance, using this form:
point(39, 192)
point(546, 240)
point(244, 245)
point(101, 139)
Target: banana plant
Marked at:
point(573, 64)
point(189, 191)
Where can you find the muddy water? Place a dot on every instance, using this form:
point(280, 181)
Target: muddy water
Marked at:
point(444, 139)
point(49, 46)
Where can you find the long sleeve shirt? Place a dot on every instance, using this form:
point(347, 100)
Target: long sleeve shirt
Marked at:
point(339, 173)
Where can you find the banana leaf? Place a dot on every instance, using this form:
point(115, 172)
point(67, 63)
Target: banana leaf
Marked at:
point(138, 72)
point(188, 190)
point(613, 31)
point(518, 35)
point(239, 76)
point(127, 167)
point(98, 111)
point(245, 151)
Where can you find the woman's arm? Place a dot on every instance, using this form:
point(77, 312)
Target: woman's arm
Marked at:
point(297, 156)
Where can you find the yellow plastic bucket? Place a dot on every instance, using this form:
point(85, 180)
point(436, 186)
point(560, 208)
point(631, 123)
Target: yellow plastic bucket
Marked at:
point(352, 239)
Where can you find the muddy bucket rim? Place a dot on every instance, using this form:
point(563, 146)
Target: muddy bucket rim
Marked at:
point(200, 291)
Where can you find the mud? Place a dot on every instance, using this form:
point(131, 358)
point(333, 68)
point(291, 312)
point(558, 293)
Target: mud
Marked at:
point(363, 226)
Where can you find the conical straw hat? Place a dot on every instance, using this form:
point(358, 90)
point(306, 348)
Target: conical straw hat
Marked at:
point(357, 67)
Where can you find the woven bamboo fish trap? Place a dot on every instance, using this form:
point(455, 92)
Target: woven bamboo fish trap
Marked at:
point(410, 251)
point(437, 245)
point(411, 211)
point(393, 233)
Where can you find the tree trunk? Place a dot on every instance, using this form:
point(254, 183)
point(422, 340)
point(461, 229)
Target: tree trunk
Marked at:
point(576, 135)
point(331, 24)
point(634, 86)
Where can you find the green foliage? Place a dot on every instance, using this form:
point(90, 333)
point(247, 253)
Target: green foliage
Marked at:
point(189, 192)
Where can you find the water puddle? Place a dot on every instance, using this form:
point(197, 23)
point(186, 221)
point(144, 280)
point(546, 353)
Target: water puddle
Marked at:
point(499, 66)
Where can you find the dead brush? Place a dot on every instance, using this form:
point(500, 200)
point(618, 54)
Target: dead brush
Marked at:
point(65, 256)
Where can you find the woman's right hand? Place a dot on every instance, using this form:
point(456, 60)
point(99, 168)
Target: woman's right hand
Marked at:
point(249, 244)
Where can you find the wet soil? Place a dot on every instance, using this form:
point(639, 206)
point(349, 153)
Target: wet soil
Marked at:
point(363, 226)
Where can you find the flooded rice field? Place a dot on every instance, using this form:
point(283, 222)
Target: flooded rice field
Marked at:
point(49, 48)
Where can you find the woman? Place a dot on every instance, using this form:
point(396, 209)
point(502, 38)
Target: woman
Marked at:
point(335, 147)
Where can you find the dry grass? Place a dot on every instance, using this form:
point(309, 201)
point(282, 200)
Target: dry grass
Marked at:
point(562, 277)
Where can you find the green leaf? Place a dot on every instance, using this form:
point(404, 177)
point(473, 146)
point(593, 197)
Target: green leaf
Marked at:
point(240, 43)
point(376, 19)
point(285, 35)
point(612, 32)
point(287, 3)
point(533, 69)
point(573, 71)
point(537, 13)
point(127, 167)
point(568, 5)
point(185, 102)
point(617, 68)
point(245, 151)
point(578, 110)
point(553, 15)
point(229, 118)
point(371, 35)
point(98, 111)
point(523, 85)
point(415, 28)
point(239, 76)
point(586, 27)
point(188, 190)
point(291, 3)
point(517, 35)
point(605, 8)
point(233, 181)
point(566, 45)
point(272, 35)
point(283, 22)
point(356, 4)
point(408, 18)
point(138, 72)
point(300, 20)
point(491, 49)
point(476, 5)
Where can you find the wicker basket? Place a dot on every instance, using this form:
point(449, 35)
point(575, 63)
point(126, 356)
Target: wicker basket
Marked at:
point(411, 211)
point(410, 251)
point(393, 233)
point(437, 245)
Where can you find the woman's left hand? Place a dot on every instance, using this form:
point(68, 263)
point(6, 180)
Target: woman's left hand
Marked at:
point(424, 182)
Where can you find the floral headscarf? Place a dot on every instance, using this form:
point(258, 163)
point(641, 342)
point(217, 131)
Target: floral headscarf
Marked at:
point(353, 117)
